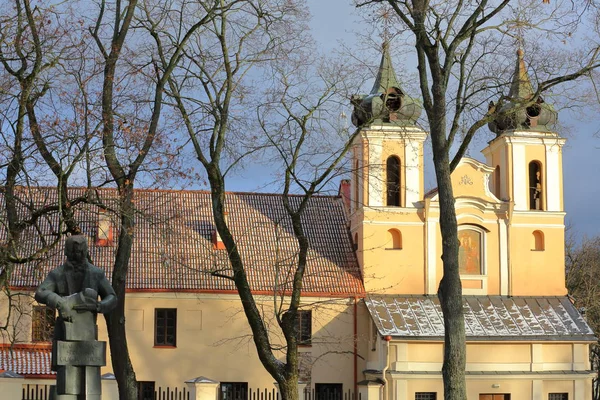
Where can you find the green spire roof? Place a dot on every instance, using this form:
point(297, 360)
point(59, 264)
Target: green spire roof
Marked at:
point(387, 104)
point(386, 77)
point(537, 117)
point(521, 87)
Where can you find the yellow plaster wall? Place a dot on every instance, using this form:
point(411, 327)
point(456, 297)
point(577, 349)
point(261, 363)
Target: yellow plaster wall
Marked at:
point(425, 352)
point(557, 353)
point(537, 273)
point(389, 270)
point(213, 340)
point(498, 353)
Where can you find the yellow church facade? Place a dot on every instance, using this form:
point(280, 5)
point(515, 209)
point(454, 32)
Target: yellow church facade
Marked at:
point(525, 340)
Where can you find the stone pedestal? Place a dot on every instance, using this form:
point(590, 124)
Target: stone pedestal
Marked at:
point(77, 357)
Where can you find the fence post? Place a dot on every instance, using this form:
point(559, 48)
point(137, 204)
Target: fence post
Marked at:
point(110, 391)
point(202, 388)
point(11, 388)
point(369, 390)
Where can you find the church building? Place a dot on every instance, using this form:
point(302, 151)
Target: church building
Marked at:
point(370, 322)
point(525, 339)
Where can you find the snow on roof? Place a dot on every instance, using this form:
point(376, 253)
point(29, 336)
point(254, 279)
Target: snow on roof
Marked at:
point(486, 317)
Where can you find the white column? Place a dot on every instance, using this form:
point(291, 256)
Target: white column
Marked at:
point(412, 184)
point(537, 358)
point(537, 390)
point(504, 278)
point(431, 246)
point(579, 389)
point(520, 177)
point(552, 177)
point(401, 389)
point(376, 176)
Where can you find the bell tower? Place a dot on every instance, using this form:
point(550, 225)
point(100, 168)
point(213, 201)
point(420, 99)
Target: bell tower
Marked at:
point(526, 155)
point(387, 157)
point(387, 182)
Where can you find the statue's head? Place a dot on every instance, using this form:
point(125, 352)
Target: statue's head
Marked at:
point(76, 248)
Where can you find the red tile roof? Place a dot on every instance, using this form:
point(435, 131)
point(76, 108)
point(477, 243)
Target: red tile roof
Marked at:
point(27, 360)
point(173, 248)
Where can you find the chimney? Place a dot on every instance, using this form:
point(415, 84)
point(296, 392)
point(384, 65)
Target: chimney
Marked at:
point(216, 238)
point(104, 232)
point(344, 192)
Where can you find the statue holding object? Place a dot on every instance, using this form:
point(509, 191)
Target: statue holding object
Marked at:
point(77, 355)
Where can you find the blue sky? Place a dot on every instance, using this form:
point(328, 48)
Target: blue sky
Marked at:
point(336, 22)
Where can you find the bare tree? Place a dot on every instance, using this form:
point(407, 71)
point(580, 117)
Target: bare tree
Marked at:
point(32, 43)
point(583, 283)
point(130, 129)
point(212, 91)
point(455, 43)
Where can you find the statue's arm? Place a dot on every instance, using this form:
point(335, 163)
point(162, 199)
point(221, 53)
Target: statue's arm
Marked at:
point(46, 293)
point(107, 294)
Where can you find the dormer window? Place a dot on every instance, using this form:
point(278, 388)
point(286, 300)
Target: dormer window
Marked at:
point(216, 238)
point(104, 233)
point(393, 181)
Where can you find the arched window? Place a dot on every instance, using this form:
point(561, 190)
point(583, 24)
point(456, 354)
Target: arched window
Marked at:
point(356, 183)
point(535, 185)
point(537, 241)
point(497, 181)
point(470, 252)
point(394, 239)
point(393, 181)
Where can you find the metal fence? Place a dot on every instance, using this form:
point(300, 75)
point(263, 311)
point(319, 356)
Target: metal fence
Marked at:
point(35, 392)
point(42, 392)
point(171, 394)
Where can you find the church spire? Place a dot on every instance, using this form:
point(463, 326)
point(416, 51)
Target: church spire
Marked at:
point(521, 87)
point(518, 113)
point(386, 76)
point(386, 104)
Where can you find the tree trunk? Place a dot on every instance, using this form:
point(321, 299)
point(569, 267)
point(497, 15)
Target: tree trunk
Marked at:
point(115, 321)
point(450, 289)
point(288, 387)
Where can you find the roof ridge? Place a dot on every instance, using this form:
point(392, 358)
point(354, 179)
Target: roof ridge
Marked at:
point(199, 191)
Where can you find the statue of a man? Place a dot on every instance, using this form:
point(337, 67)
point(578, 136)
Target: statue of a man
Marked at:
point(74, 276)
point(77, 355)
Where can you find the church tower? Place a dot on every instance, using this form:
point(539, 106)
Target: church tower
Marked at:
point(527, 159)
point(387, 183)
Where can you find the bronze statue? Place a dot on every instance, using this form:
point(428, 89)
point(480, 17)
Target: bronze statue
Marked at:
point(73, 289)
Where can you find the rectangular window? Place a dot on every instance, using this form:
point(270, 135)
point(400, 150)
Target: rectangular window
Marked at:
point(329, 391)
point(425, 396)
point(558, 396)
point(233, 391)
point(145, 390)
point(165, 327)
point(494, 396)
point(304, 327)
point(42, 324)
